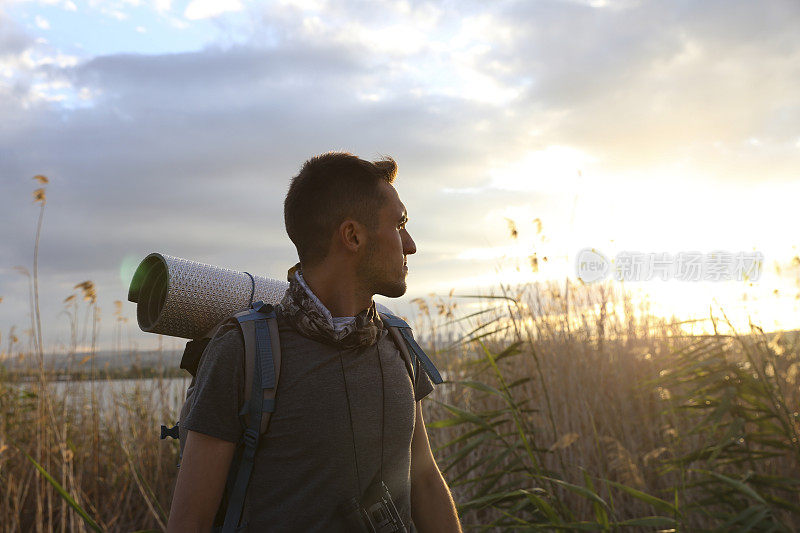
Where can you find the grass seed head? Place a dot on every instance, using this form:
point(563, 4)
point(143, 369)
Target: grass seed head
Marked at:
point(565, 441)
point(512, 228)
point(89, 292)
point(39, 196)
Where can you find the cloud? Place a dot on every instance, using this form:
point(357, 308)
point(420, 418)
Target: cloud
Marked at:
point(13, 39)
point(648, 83)
point(31, 72)
point(191, 153)
point(203, 9)
point(162, 6)
point(42, 23)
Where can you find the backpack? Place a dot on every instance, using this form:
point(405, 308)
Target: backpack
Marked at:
point(262, 366)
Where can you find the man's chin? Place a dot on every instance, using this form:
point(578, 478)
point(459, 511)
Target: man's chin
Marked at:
point(394, 290)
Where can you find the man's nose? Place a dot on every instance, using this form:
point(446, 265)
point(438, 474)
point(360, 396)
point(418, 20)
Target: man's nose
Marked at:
point(409, 247)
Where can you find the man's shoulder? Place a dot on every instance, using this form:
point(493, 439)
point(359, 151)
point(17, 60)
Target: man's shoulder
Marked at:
point(224, 349)
point(228, 334)
point(227, 341)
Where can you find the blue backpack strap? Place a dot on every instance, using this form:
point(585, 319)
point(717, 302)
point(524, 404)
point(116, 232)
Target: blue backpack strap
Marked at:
point(393, 321)
point(263, 378)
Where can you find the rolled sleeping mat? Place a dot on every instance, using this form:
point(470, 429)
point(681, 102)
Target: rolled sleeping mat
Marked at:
point(182, 298)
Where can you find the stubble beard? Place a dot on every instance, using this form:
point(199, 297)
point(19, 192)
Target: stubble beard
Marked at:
point(378, 279)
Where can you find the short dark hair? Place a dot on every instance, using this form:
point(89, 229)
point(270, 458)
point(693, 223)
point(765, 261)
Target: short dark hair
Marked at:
point(329, 189)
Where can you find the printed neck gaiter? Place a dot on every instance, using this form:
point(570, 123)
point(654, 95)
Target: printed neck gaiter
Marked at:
point(305, 314)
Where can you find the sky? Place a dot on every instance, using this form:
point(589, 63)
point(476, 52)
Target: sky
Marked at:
point(618, 125)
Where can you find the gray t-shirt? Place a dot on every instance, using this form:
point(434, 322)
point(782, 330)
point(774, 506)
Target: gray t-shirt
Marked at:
point(304, 467)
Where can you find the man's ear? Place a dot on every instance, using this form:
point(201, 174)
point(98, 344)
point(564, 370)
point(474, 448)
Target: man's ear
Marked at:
point(351, 235)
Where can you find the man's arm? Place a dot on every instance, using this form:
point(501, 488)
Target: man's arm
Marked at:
point(201, 481)
point(432, 506)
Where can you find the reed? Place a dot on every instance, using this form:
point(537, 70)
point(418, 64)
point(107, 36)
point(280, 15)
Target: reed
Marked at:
point(588, 419)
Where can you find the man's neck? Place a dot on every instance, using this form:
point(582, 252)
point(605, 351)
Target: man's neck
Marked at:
point(337, 289)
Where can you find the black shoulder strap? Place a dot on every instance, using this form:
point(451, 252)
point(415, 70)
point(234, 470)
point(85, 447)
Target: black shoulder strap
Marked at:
point(404, 330)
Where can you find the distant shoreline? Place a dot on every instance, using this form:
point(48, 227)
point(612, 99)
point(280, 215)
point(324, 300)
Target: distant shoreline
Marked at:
point(33, 376)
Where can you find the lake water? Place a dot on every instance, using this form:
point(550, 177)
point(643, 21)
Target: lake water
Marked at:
point(118, 396)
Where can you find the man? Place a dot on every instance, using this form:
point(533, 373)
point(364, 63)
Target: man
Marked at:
point(347, 414)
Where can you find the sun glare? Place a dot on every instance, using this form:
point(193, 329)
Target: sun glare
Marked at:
point(531, 243)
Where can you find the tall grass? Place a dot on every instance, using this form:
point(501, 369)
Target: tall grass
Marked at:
point(586, 418)
point(121, 475)
point(69, 462)
point(565, 409)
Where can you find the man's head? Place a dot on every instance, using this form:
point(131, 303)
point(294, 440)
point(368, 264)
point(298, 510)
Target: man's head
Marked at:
point(343, 205)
